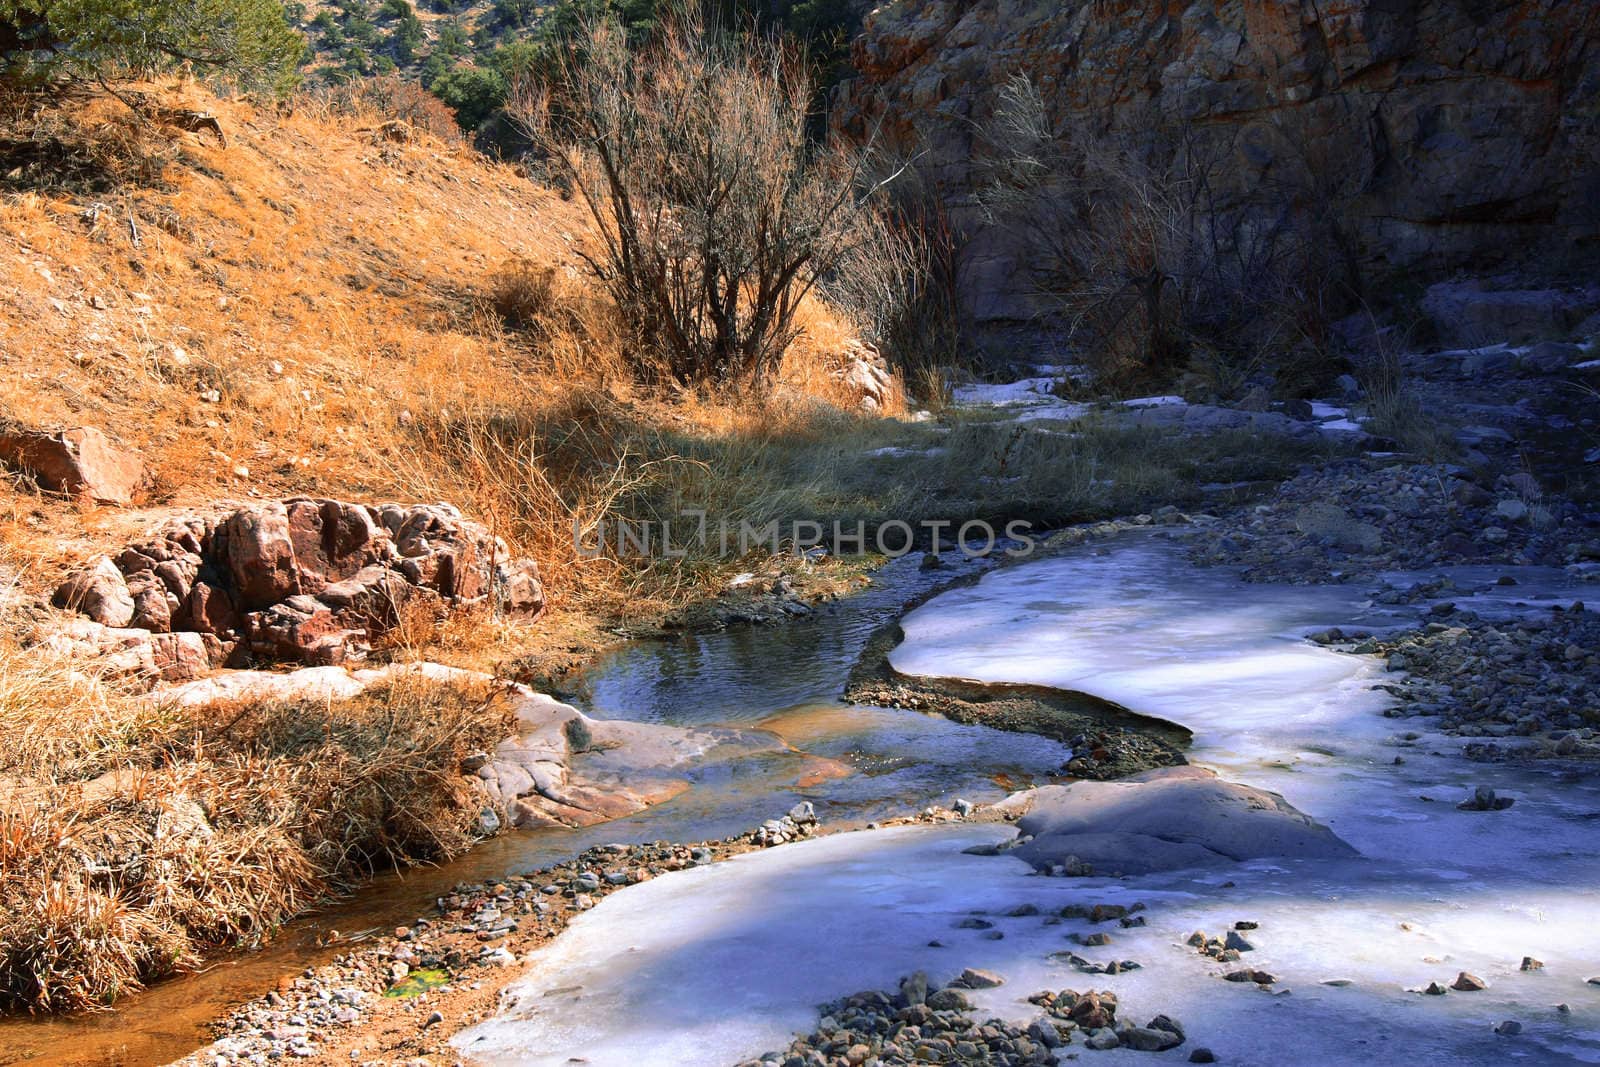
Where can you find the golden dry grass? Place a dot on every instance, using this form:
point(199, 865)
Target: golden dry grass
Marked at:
point(136, 838)
point(307, 310)
point(321, 308)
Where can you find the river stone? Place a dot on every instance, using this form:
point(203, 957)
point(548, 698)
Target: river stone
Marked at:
point(972, 978)
point(1167, 819)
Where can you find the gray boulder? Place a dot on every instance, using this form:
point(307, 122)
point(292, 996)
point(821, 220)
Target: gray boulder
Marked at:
point(1550, 357)
point(1167, 819)
point(1469, 313)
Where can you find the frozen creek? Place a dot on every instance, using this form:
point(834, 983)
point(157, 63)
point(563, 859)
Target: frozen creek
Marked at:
point(718, 964)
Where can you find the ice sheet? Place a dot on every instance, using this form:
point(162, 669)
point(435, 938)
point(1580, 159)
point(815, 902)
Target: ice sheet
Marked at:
point(718, 964)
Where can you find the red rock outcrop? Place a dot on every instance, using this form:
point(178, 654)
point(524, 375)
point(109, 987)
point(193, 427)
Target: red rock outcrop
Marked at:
point(1444, 134)
point(298, 580)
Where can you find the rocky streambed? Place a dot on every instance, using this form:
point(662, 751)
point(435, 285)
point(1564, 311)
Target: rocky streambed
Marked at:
point(1394, 902)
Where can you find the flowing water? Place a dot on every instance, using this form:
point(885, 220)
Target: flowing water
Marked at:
point(721, 963)
point(855, 764)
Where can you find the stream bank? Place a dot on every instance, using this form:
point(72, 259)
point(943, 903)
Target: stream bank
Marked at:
point(1346, 948)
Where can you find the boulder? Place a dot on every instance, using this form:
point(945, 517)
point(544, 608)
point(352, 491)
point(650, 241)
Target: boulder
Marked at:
point(305, 580)
point(260, 555)
point(211, 609)
point(519, 590)
point(179, 657)
point(99, 592)
point(1471, 313)
point(80, 462)
point(1167, 819)
point(864, 372)
point(153, 606)
point(332, 541)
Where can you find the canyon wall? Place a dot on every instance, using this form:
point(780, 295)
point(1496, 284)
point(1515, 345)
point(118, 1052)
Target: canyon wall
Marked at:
point(1444, 135)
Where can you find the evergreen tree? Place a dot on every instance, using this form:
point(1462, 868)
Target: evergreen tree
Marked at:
point(245, 42)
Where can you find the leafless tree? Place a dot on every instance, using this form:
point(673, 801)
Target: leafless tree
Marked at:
point(715, 214)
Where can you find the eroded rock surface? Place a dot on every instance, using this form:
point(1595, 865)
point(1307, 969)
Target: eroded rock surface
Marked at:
point(1165, 819)
point(301, 581)
point(1441, 134)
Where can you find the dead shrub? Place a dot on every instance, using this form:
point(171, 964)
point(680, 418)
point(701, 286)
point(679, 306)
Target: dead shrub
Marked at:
point(1393, 407)
point(75, 141)
point(391, 98)
point(1132, 245)
point(898, 283)
point(523, 292)
point(714, 215)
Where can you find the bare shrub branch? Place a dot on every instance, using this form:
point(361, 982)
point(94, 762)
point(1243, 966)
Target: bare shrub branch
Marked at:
point(714, 214)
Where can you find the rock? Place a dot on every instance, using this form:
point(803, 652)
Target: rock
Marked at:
point(260, 555)
point(1202, 1055)
point(1237, 942)
point(1166, 819)
point(179, 657)
point(1471, 313)
point(1145, 1039)
point(153, 606)
point(971, 978)
point(519, 591)
point(1511, 510)
point(1531, 964)
point(1550, 357)
point(309, 580)
point(211, 609)
point(332, 541)
point(1434, 989)
point(99, 592)
point(1484, 799)
point(1103, 1039)
point(1438, 183)
point(1509, 1028)
point(1258, 977)
point(1467, 983)
point(948, 1000)
point(864, 370)
point(79, 462)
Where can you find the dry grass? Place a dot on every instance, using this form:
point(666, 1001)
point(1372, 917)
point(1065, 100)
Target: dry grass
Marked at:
point(1395, 410)
point(134, 839)
point(318, 309)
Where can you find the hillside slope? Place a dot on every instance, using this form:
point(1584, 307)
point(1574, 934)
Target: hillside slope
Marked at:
point(319, 307)
point(258, 319)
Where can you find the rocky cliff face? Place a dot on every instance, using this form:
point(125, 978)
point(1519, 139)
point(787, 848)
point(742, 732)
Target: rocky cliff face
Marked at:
point(1446, 134)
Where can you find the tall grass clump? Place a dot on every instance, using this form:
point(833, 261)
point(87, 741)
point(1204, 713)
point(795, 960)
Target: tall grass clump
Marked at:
point(136, 837)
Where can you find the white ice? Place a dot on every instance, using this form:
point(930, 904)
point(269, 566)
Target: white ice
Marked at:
point(722, 963)
point(1333, 418)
